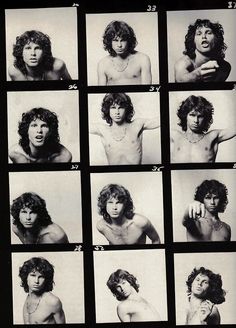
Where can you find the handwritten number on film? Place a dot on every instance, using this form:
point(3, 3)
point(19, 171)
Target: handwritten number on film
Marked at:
point(231, 4)
point(151, 8)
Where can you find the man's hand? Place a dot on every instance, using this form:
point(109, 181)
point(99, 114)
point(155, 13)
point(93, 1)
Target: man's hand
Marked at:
point(196, 209)
point(205, 310)
point(208, 69)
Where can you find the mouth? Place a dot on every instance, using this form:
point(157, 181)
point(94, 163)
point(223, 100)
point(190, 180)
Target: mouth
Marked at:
point(205, 44)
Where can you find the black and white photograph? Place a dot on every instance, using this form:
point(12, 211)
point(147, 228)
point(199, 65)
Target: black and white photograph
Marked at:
point(124, 128)
point(45, 207)
point(205, 292)
point(122, 48)
point(201, 45)
point(202, 126)
point(207, 211)
point(48, 288)
point(43, 126)
point(130, 286)
point(127, 208)
point(35, 50)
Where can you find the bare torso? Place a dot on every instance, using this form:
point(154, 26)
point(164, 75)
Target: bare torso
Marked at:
point(183, 151)
point(129, 73)
point(140, 310)
point(209, 230)
point(130, 233)
point(40, 310)
point(51, 234)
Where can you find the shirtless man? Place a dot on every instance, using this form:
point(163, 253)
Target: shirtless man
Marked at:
point(197, 144)
point(132, 307)
point(120, 225)
point(201, 218)
point(204, 291)
point(121, 136)
point(123, 65)
point(34, 60)
point(31, 222)
point(203, 59)
point(41, 306)
point(39, 139)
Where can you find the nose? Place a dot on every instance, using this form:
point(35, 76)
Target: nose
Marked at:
point(39, 129)
point(212, 201)
point(28, 216)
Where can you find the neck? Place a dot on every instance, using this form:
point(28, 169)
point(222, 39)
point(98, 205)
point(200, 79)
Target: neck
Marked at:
point(194, 137)
point(195, 301)
point(212, 216)
point(34, 71)
point(119, 221)
point(201, 58)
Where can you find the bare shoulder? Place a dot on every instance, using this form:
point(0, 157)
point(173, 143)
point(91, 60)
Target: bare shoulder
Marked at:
point(226, 226)
point(52, 301)
point(64, 154)
point(58, 64)
point(140, 220)
point(142, 58)
point(175, 134)
point(14, 73)
point(18, 155)
point(53, 233)
point(105, 61)
point(101, 225)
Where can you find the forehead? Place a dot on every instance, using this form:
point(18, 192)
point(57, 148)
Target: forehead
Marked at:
point(38, 120)
point(195, 112)
point(212, 194)
point(31, 43)
point(202, 276)
point(35, 271)
point(203, 28)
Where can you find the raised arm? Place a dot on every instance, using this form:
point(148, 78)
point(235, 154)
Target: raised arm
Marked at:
point(192, 213)
point(146, 74)
point(150, 124)
point(185, 72)
point(226, 134)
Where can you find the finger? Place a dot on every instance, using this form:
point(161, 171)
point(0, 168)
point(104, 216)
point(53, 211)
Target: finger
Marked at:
point(190, 211)
point(202, 210)
point(208, 71)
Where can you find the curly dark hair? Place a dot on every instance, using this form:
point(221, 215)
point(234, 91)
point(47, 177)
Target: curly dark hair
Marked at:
point(218, 53)
point(197, 104)
point(212, 187)
point(119, 192)
point(122, 30)
point(215, 293)
point(34, 202)
point(41, 265)
point(53, 139)
point(116, 277)
point(36, 37)
point(121, 99)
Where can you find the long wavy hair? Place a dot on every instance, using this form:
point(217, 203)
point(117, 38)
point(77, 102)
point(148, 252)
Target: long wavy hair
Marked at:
point(213, 187)
point(36, 37)
point(218, 53)
point(198, 104)
point(118, 192)
point(53, 139)
point(116, 277)
point(36, 204)
point(121, 99)
point(119, 29)
point(215, 293)
point(41, 265)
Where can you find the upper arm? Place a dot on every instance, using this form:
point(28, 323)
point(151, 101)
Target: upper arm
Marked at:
point(149, 229)
point(214, 317)
point(146, 74)
point(58, 312)
point(57, 237)
point(226, 134)
point(102, 78)
point(60, 66)
point(182, 71)
point(122, 314)
point(150, 124)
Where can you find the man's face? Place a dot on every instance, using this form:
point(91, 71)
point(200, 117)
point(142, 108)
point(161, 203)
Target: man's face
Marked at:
point(32, 54)
point(38, 132)
point(117, 113)
point(114, 208)
point(200, 285)
point(195, 121)
point(124, 288)
point(27, 217)
point(211, 202)
point(119, 45)
point(35, 281)
point(204, 39)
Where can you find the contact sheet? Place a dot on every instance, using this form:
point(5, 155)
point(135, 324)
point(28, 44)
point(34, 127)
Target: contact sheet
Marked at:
point(118, 155)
